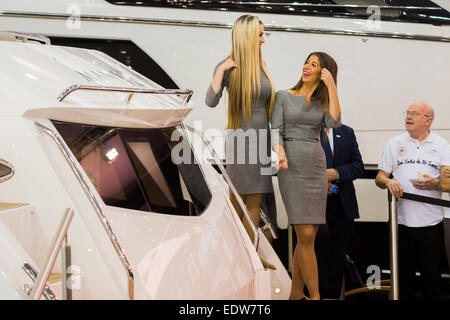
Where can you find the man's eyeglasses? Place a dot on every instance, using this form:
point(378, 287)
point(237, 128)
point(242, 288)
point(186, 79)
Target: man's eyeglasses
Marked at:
point(414, 114)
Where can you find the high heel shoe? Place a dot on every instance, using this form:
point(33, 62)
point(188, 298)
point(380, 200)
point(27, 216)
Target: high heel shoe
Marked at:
point(304, 298)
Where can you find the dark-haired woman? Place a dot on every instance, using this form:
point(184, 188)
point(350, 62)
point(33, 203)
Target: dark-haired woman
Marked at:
point(298, 116)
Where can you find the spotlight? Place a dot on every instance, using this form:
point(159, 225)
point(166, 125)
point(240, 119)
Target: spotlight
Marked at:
point(110, 154)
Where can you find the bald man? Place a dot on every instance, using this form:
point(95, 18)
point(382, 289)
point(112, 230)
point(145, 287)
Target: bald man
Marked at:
point(414, 160)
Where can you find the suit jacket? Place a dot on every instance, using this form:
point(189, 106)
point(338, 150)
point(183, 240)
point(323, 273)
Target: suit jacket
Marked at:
point(347, 160)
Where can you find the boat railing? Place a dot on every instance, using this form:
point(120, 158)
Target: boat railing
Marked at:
point(267, 224)
point(42, 278)
point(227, 178)
point(33, 274)
point(95, 204)
point(131, 91)
point(393, 234)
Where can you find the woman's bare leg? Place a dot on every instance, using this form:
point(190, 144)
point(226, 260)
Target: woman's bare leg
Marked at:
point(306, 257)
point(253, 204)
point(298, 283)
point(236, 205)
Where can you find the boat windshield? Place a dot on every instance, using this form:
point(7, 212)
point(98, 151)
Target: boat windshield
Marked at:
point(136, 168)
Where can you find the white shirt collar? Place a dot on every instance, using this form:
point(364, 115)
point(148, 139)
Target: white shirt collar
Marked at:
point(429, 139)
point(330, 138)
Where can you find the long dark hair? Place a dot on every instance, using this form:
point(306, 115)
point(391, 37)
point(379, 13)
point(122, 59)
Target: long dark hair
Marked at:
point(321, 92)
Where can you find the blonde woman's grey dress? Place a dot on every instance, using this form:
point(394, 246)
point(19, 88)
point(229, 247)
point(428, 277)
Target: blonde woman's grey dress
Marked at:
point(247, 149)
point(304, 184)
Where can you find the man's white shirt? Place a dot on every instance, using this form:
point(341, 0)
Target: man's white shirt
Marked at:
point(407, 159)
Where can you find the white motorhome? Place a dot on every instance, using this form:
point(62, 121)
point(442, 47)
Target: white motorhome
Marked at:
point(389, 53)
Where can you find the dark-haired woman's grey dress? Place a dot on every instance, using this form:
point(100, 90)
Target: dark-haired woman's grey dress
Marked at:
point(247, 150)
point(304, 184)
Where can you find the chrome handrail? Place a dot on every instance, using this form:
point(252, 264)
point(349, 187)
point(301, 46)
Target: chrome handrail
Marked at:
point(205, 24)
point(41, 281)
point(9, 175)
point(33, 274)
point(393, 240)
point(229, 182)
point(66, 262)
point(97, 208)
point(267, 224)
point(393, 233)
point(132, 91)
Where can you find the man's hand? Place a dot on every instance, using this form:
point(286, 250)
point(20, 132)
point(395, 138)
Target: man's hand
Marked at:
point(332, 174)
point(329, 188)
point(427, 183)
point(382, 180)
point(446, 172)
point(395, 188)
point(444, 181)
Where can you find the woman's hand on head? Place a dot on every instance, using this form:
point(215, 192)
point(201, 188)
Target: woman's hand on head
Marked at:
point(228, 64)
point(327, 78)
point(219, 74)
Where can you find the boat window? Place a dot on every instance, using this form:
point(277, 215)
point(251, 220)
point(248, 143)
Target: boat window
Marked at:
point(418, 11)
point(6, 170)
point(134, 168)
point(124, 51)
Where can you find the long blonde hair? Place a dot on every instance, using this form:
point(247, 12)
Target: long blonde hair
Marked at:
point(244, 81)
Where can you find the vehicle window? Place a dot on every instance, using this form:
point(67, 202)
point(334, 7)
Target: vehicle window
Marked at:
point(124, 51)
point(133, 168)
point(6, 170)
point(418, 11)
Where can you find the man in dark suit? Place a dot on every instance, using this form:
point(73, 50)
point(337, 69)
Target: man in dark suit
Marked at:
point(333, 239)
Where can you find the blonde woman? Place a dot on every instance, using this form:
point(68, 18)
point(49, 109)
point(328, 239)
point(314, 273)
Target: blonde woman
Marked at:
point(298, 116)
point(250, 101)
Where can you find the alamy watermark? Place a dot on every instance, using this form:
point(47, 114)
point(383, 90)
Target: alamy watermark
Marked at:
point(374, 20)
point(374, 280)
point(74, 21)
point(74, 278)
point(242, 147)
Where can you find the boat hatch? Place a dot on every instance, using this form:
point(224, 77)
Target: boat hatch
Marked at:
point(152, 170)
